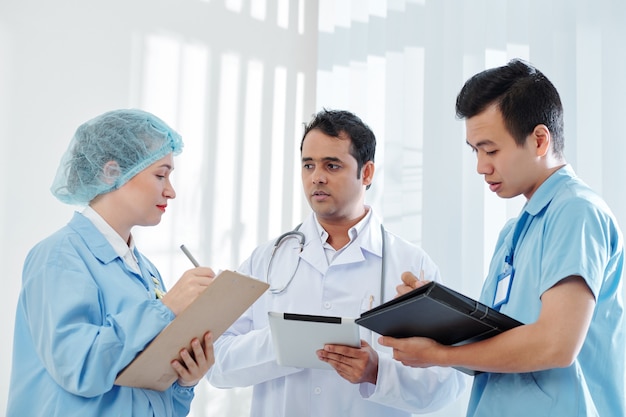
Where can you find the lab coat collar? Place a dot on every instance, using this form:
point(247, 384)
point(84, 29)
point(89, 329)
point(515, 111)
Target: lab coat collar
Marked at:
point(369, 239)
point(94, 240)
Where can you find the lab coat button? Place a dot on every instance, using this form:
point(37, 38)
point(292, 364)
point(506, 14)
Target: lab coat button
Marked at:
point(317, 390)
point(327, 305)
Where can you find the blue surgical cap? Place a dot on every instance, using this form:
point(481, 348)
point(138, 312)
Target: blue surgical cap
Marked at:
point(109, 150)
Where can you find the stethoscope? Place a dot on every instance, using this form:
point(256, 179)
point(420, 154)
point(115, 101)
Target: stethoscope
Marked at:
point(297, 234)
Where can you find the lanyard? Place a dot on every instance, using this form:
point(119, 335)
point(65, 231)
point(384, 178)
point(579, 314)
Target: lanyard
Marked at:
point(519, 227)
point(504, 281)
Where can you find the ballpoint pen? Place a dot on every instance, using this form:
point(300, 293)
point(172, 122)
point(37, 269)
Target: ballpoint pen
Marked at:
point(189, 255)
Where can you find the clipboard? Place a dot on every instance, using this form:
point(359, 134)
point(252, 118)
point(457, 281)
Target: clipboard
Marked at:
point(296, 337)
point(439, 313)
point(215, 309)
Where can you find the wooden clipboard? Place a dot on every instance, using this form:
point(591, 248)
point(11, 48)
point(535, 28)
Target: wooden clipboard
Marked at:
point(216, 308)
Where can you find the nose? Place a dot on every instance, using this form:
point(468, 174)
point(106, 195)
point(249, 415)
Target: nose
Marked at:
point(169, 191)
point(483, 166)
point(319, 176)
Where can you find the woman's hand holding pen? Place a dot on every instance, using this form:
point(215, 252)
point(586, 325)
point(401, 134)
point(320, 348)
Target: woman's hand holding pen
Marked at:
point(188, 287)
point(194, 362)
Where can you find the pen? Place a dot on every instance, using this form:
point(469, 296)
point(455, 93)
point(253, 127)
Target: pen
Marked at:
point(189, 255)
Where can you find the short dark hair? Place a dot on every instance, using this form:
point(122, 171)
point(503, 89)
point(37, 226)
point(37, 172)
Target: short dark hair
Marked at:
point(335, 122)
point(524, 96)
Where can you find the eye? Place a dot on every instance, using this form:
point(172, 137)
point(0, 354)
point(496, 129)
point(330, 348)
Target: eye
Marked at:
point(161, 174)
point(307, 166)
point(333, 166)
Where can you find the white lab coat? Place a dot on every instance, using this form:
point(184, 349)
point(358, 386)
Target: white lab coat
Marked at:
point(245, 356)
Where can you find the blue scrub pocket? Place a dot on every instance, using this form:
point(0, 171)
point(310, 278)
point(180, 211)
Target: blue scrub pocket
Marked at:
point(514, 395)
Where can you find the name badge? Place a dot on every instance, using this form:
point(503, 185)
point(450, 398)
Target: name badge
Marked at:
point(503, 287)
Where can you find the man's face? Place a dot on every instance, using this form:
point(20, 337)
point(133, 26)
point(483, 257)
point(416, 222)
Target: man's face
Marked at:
point(509, 170)
point(329, 177)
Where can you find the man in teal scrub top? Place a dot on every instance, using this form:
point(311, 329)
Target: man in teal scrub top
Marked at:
point(557, 268)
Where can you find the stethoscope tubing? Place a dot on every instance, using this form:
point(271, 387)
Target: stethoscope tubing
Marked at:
point(297, 233)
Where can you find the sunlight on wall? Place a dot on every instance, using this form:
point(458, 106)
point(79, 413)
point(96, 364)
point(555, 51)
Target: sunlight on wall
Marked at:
point(298, 205)
point(252, 148)
point(225, 155)
point(278, 149)
point(241, 115)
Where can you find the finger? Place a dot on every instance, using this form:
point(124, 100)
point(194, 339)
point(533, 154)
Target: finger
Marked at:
point(198, 353)
point(409, 279)
point(342, 350)
point(188, 361)
point(204, 271)
point(209, 354)
point(328, 356)
point(403, 289)
point(388, 341)
point(180, 369)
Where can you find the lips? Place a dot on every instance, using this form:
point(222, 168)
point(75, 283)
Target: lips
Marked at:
point(161, 207)
point(319, 195)
point(494, 186)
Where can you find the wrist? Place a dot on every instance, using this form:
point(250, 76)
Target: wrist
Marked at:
point(183, 388)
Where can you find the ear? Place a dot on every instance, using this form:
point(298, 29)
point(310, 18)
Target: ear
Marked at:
point(542, 140)
point(110, 172)
point(367, 172)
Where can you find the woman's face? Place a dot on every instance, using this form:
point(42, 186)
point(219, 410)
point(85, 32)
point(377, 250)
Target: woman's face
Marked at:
point(143, 199)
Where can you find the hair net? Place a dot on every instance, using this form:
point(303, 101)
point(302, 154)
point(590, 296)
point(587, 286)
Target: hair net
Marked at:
point(109, 150)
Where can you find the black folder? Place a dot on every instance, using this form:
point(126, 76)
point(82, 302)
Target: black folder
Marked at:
point(437, 312)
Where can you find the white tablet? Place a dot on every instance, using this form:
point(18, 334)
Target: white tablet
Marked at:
point(297, 337)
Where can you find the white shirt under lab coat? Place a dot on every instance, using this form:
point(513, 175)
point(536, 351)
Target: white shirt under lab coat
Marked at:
point(245, 356)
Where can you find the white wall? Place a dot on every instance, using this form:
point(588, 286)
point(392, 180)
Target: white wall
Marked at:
point(194, 64)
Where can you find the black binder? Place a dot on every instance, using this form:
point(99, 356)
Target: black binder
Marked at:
point(437, 312)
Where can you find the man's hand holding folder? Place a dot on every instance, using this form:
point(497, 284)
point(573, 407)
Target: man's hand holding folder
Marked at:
point(410, 282)
point(425, 318)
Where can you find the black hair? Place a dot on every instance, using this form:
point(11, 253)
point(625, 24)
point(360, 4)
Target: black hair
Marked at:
point(524, 96)
point(337, 122)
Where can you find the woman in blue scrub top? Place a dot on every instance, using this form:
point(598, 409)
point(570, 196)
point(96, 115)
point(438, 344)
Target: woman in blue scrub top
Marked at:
point(558, 267)
point(90, 301)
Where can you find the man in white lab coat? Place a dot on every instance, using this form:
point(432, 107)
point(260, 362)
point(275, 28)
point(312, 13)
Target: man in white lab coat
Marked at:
point(349, 263)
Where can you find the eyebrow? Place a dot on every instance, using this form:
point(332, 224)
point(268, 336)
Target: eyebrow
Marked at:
point(325, 159)
point(480, 144)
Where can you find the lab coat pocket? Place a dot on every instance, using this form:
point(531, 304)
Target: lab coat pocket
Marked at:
point(367, 303)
